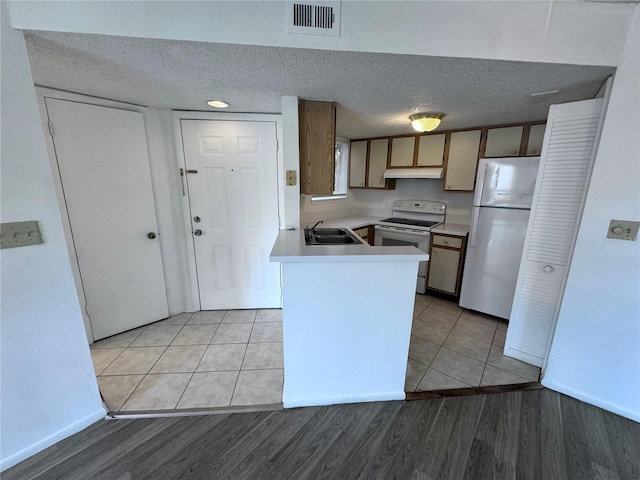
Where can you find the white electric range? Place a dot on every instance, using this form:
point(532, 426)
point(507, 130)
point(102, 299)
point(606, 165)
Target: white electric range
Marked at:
point(410, 224)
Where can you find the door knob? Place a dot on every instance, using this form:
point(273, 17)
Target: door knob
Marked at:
point(197, 233)
point(151, 235)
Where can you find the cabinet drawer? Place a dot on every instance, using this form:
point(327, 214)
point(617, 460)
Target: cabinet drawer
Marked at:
point(454, 242)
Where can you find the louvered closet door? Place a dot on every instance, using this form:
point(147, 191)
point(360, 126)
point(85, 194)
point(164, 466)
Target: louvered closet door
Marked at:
point(563, 177)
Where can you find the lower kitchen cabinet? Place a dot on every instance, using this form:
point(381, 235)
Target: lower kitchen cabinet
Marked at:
point(445, 263)
point(366, 233)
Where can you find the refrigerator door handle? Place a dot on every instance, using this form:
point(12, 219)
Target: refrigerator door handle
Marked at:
point(475, 214)
point(480, 179)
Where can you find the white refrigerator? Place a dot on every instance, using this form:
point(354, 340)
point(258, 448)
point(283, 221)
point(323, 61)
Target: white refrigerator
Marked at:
point(501, 204)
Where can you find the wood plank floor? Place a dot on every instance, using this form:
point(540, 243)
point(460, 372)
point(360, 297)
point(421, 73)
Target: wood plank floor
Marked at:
point(536, 434)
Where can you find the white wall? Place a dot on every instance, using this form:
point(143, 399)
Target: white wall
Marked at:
point(536, 31)
point(595, 354)
point(48, 389)
point(290, 218)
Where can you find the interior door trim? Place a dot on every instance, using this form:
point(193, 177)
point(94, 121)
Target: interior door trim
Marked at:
point(177, 117)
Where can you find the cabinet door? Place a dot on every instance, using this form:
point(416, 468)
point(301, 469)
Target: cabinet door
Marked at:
point(317, 124)
point(358, 164)
point(536, 136)
point(402, 149)
point(378, 152)
point(503, 142)
point(462, 161)
point(443, 269)
point(431, 150)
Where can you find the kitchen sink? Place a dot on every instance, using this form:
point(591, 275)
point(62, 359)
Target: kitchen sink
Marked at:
point(330, 231)
point(330, 236)
point(337, 239)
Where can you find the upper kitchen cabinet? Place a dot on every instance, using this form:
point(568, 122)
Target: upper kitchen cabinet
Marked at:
point(378, 156)
point(460, 168)
point(503, 142)
point(534, 142)
point(458, 151)
point(431, 150)
point(358, 164)
point(317, 124)
point(417, 151)
point(367, 163)
point(402, 151)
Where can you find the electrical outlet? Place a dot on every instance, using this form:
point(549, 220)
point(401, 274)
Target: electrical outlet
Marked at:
point(19, 234)
point(623, 230)
point(291, 177)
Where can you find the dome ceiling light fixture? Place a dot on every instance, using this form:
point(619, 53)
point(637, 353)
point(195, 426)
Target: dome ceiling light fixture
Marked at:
point(217, 104)
point(426, 122)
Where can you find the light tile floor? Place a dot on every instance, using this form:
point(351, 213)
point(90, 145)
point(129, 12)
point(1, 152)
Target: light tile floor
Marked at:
point(208, 359)
point(233, 358)
point(456, 348)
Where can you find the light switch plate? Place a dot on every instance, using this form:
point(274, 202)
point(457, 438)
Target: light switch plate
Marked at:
point(19, 234)
point(623, 230)
point(291, 177)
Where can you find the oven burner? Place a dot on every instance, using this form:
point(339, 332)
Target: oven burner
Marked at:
point(409, 221)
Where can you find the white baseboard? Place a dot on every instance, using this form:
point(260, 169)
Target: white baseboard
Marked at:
point(598, 402)
point(61, 434)
point(319, 401)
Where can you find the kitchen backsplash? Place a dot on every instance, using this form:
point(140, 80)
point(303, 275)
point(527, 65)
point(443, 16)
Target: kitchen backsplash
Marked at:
point(379, 202)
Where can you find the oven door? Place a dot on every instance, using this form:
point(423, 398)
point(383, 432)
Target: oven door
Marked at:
point(414, 238)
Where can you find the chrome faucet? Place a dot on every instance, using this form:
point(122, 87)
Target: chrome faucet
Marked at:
point(307, 230)
point(317, 223)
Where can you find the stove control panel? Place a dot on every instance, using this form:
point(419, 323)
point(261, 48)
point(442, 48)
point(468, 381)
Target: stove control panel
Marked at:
point(420, 206)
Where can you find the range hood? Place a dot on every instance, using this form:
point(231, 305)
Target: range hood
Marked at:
point(420, 172)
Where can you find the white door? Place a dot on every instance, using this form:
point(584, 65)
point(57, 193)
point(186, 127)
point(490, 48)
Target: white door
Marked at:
point(233, 195)
point(570, 143)
point(104, 168)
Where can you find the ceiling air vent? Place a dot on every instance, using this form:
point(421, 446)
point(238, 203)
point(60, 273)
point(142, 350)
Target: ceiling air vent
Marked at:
point(314, 18)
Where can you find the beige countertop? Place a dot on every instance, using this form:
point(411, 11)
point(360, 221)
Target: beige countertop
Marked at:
point(355, 221)
point(290, 247)
point(452, 229)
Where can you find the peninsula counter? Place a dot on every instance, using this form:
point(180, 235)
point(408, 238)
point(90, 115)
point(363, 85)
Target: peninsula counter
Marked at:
point(347, 314)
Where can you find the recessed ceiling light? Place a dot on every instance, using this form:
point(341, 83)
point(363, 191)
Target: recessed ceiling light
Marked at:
point(217, 104)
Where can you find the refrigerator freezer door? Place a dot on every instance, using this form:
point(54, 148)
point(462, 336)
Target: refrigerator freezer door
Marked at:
point(491, 265)
point(506, 182)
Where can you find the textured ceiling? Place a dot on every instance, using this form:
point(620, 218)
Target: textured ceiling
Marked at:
point(375, 92)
